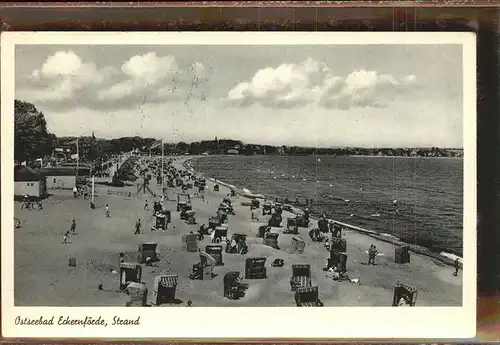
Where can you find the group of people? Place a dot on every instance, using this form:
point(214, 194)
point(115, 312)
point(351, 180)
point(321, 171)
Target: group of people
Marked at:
point(372, 254)
point(67, 234)
point(29, 204)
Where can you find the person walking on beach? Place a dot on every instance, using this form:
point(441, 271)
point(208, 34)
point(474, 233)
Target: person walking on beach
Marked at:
point(370, 255)
point(374, 254)
point(137, 227)
point(457, 267)
point(75, 192)
point(73, 226)
point(107, 211)
point(146, 208)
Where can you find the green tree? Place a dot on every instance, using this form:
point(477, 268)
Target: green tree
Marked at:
point(31, 138)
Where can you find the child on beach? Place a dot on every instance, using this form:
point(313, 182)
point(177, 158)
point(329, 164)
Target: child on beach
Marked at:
point(146, 205)
point(73, 226)
point(107, 211)
point(65, 238)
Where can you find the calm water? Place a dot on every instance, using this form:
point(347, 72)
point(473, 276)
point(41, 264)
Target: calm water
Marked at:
point(361, 190)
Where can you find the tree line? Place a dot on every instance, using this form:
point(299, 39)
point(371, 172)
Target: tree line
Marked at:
point(32, 140)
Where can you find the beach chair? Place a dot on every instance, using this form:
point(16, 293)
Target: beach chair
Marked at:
point(302, 221)
point(266, 209)
point(339, 245)
point(301, 276)
point(404, 293)
point(227, 201)
point(255, 268)
point(190, 242)
point(241, 246)
point(190, 217)
point(339, 260)
point(275, 220)
point(183, 202)
point(147, 250)
point(291, 226)
point(214, 222)
point(220, 234)
point(233, 192)
point(271, 240)
point(215, 250)
point(129, 272)
point(138, 293)
point(307, 297)
point(233, 288)
point(263, 230)
point(402, 255)
point(164, 289)
point(254, 203)
point(298, 245)
point(216, 187)
point(204, 269)
point(323, 226)
point(160, 223)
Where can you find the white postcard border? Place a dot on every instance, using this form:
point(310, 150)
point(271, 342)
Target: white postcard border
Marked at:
point(246, 323)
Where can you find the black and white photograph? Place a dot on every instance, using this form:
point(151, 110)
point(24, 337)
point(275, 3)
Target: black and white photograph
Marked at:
point(202, 171)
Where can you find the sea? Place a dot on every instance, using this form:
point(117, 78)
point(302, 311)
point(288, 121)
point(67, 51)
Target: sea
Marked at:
point(417, 200)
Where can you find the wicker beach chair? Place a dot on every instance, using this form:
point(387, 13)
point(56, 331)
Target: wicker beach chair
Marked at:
point(275, 220)
point(404, 293)
point(402, 255)
point(138, 293)
point(233, 288)
point(147, 250)
point(255, 268)
point(263, 230)
point(241, 246)
point(129, 272)
point(190, 242)
point(307, 297)
point(215, 250)
point(220, 234)
point(298, 245)
point(254, 203)
point(291, 226)
point(271, 240)
point(301, 276)
point(302, 221)
point(266, 208)
point(204, 269)
point(164, 290)
point(339, 260)
point(339, 244)
point(160, 223)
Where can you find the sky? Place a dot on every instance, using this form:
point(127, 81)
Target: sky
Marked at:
point(323, 96)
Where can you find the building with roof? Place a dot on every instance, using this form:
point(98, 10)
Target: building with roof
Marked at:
point(65, 177)
point(28, 181)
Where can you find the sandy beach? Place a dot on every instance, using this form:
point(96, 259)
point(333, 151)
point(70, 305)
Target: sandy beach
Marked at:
point(43, 277)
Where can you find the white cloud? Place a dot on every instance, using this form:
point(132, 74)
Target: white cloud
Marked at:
point(64, 80)
point(292, 85)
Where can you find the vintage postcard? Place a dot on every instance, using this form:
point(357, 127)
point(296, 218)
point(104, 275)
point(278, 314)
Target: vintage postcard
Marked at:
point(180, 185)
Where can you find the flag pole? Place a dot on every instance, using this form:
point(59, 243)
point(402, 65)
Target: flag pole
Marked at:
point(162, 154)
point(93, 188)
point(77, 160)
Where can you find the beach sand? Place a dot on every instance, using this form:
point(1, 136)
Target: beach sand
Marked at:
point(43, 277)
